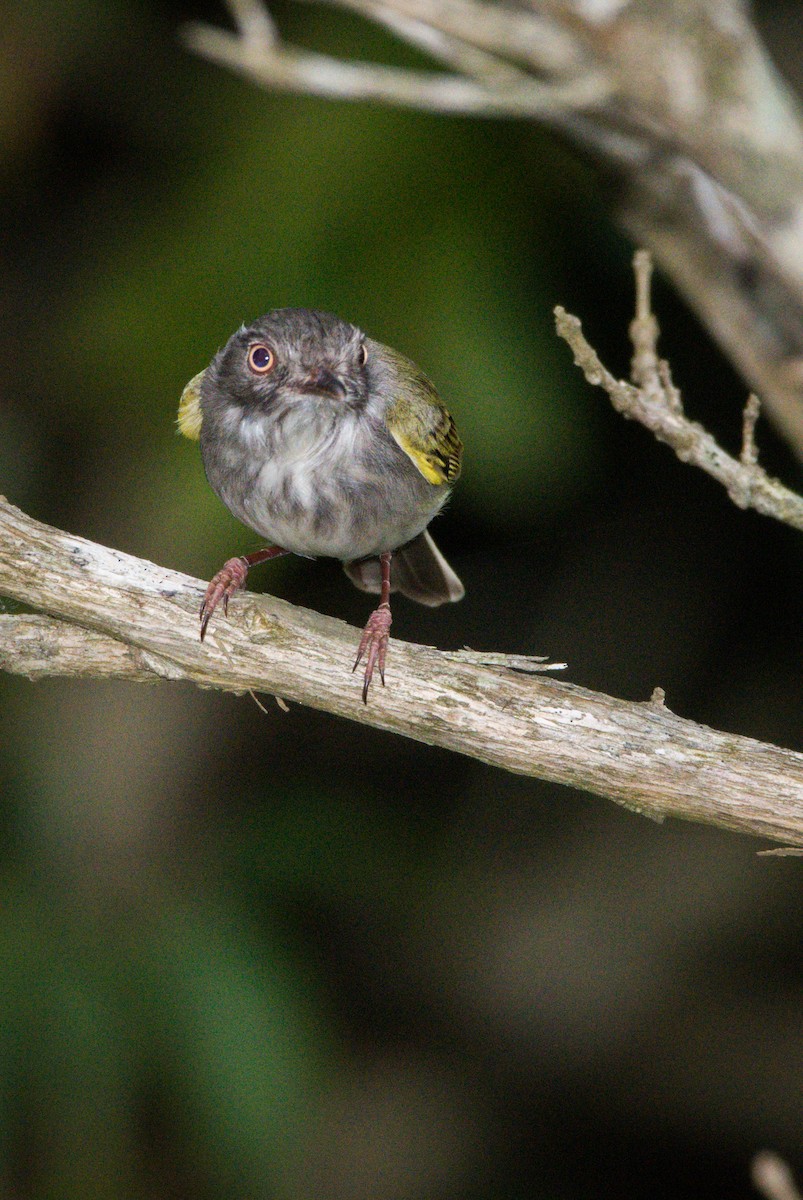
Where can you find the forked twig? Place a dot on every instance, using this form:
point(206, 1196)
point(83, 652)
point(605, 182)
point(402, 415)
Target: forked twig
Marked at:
point(653, 399)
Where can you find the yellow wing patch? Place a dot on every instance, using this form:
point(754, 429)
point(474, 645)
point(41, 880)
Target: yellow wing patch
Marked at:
point(430, 466)
point(437, 452)
point(417, 420)
point(189, 408)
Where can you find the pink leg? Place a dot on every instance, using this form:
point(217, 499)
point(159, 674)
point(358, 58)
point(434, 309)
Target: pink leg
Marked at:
point(229, 579)
point(376, 633)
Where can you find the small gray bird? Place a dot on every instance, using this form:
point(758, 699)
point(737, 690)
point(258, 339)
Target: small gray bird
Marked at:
point(330, 444)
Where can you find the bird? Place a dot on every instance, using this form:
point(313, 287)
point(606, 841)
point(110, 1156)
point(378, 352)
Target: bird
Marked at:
point(327, 444)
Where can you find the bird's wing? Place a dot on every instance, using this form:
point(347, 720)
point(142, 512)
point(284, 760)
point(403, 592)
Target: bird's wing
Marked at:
point(426, 433)
point(189, 408)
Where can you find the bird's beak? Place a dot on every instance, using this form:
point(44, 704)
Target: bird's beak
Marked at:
point(323, 382)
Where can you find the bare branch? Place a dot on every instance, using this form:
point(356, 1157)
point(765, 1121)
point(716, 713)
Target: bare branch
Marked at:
point(129, 618)
point(254, 23)
point(444, 43)
point(654, 401)
point(773, 1178)
point(286, 68)
point(38, 647)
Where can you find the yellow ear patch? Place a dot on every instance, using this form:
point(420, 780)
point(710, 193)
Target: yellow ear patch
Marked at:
point(189, 408)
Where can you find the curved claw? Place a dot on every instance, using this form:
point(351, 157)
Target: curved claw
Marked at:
point(374, 641)
point(229, 579)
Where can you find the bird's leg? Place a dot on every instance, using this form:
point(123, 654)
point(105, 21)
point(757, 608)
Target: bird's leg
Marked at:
point(229, 579)
point(374, 640)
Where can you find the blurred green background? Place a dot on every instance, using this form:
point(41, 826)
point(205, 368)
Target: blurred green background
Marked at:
point(248, 954)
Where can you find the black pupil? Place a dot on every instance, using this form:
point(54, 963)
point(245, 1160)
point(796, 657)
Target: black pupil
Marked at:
point(260, 357)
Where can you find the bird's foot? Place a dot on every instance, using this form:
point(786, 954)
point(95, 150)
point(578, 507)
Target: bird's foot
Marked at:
point(374, 644)
point(229, 579)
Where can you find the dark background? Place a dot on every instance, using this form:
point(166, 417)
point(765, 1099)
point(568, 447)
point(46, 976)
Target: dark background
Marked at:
point(249, 954)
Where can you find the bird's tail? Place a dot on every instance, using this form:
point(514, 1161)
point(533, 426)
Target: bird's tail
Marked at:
point(418, 570)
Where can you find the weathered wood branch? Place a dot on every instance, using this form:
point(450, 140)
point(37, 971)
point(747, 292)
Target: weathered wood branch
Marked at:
point(116, 615)
point(679, 101)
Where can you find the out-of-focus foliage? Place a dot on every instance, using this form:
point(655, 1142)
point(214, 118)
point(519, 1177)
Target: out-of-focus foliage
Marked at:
point(248, 954)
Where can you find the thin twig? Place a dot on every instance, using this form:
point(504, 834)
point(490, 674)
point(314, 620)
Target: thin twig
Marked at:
point(112, 614)
point(530, 664)
point(654, 401)
point(752, 410)
point(445, 46)
point(644, 330)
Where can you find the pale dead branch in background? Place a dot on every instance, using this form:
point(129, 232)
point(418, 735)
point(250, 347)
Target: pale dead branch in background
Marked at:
point(677, 100)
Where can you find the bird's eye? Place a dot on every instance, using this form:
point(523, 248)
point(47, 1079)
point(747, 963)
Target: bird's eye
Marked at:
point(362, 354)
point(261, 359)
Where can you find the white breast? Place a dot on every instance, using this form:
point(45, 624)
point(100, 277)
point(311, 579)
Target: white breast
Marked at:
point(329, 483)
